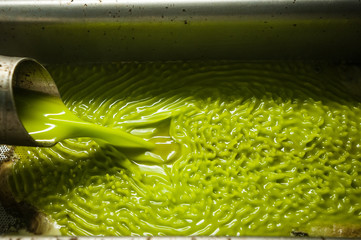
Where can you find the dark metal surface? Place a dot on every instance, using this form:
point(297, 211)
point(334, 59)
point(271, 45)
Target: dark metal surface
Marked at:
point(115, 30)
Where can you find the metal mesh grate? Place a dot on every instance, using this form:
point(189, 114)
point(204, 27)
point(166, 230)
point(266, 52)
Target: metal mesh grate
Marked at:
point(8, 223)
point(4, 150)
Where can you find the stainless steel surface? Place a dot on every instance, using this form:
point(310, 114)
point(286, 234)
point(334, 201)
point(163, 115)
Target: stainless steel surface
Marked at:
point(21, 73)
point(114, 30)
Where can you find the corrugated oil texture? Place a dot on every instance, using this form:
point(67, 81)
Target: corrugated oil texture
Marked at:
point(242, 149)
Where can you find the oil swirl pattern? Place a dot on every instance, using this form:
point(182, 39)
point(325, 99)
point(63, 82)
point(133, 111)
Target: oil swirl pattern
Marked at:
point(242, 149)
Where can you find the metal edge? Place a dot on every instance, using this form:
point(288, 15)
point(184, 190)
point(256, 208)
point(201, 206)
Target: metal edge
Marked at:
point(165, 10)
point(144, 30)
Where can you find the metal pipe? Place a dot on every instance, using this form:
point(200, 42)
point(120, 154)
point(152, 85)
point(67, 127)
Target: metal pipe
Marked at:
point(65, 31)
point(25, 73)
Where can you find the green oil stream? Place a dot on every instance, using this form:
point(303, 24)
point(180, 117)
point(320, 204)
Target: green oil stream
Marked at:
point(49, 121)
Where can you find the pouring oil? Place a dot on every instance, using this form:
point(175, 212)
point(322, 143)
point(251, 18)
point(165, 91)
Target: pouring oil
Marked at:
point(48, 120)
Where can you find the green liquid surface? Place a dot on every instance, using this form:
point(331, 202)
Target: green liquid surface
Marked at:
point(49, 121)
point(240, 149)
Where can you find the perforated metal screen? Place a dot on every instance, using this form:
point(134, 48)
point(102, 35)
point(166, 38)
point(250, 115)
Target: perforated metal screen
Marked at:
point(3, 152)
point(8, 223)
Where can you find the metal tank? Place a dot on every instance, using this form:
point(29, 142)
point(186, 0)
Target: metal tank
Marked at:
point(88, 31)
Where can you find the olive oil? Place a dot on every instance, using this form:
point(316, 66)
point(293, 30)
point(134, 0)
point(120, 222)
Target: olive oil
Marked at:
point(47, 119)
